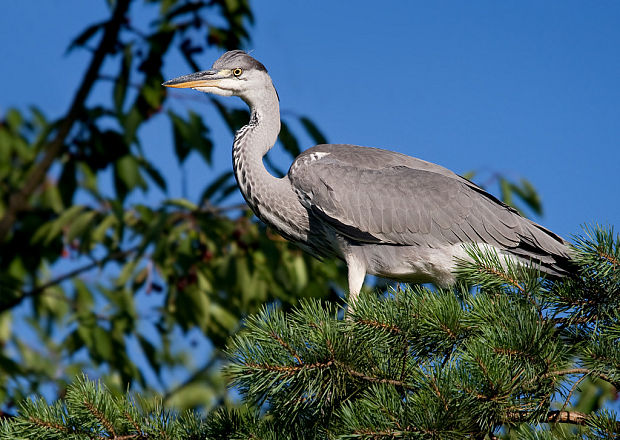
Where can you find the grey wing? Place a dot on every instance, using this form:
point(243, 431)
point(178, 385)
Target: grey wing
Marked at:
point(378, 196)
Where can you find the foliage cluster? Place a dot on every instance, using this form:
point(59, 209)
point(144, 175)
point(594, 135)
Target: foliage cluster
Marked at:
point(498, 360)
point(98, 277)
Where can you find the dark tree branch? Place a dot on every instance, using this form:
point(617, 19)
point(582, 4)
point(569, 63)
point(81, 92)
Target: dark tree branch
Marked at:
point(572, 417)
point(40, 289)
point(564, 372)
point(560, 416)
point(18, 202)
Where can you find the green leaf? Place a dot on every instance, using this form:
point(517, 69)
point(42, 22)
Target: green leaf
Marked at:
point(53, 302)
point(301, 274)
point(525, 191)
point(243, 278)
point(191, 396)
point(14, 120)
point(102, 344)
point(182, 203)
point(153, 93)
point(181, 8)
point(99, 232)
point(5, 327)
point(6, 139)
point(38, 117)
point(120, 86)
point(154, 174)
point(217, 186)
point(51, 196)
point(288, 141)
point(529, 195)
point(190, 135)
point(67, 183)
point(131, 122)
point(86, 35)
point(469, 175)
point(314, 132)
point(126, 272)
point(48, 233)
point(506, 191)
point(83, 299)
point(180, 132)
point(224, 317)
point(80, 224)
point(128, 172)
point(150, 352)
point(196, 305)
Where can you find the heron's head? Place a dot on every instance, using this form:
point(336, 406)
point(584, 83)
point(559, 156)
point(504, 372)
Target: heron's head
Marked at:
point(233, 74)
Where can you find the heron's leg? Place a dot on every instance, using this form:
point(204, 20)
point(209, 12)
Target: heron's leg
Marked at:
point(357, 273)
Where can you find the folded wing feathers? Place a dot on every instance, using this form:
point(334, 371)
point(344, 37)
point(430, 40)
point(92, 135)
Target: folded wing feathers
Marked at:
point(398, 199)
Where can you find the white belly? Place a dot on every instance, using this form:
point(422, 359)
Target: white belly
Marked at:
point(414, 264)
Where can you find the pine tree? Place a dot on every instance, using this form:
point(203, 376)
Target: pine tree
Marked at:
point(502, 355)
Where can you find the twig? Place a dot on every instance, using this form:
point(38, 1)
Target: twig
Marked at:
point(289, 370)
point(613, 260)
point(107, 424)
point(360, 375)
point(507, 278)
point(563, 322)
point(287, 348)
point(572, 390)
point(582, 371)
point(377, 324)
point(40, 289)
point(49, 425)
point(564, 373)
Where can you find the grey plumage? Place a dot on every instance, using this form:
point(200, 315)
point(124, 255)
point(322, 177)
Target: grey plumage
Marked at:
point(383, 212)
point(238, 59)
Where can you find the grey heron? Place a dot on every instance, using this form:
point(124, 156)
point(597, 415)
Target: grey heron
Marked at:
point(382, 212)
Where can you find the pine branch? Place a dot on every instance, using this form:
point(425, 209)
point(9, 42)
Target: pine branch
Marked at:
point(91, 412)
point(422, 363)
point(571, 417)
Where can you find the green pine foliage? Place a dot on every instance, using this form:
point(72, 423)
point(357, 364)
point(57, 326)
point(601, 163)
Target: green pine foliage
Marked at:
point(502, 359)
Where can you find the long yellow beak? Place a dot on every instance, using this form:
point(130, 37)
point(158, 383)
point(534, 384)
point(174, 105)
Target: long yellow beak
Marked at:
point(208, 78)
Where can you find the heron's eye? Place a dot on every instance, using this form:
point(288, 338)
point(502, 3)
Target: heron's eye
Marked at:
point(237, 72)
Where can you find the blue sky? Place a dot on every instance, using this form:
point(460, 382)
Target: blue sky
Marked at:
point(528, 89)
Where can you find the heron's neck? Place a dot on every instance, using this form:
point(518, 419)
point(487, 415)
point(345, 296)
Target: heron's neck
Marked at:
point(271, 199)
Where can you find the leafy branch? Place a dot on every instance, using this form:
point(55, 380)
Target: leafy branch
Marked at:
point(16, 300)
point(19, 201)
